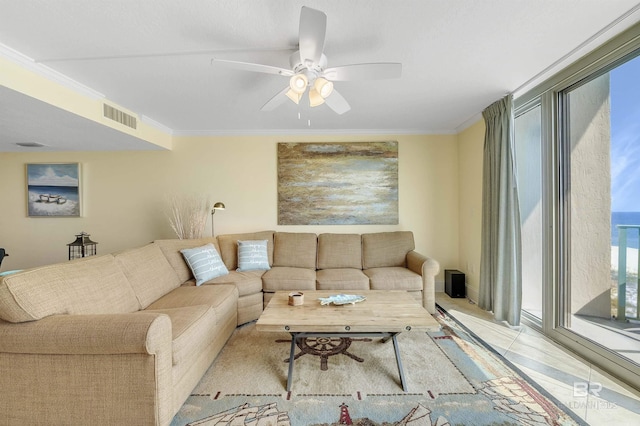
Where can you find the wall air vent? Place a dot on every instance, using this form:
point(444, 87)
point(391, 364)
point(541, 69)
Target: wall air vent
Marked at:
point(120, 116)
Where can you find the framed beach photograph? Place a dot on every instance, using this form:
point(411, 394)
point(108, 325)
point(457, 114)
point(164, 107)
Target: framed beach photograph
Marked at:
point(53, 190)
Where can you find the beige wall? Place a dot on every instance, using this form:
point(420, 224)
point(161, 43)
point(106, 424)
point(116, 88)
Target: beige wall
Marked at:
point(124, 194)
point(471, 146)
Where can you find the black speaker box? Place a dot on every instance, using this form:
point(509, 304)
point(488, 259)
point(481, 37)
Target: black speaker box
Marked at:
point(454, 283)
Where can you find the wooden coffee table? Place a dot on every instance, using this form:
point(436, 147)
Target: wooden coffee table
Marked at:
point(383, 314)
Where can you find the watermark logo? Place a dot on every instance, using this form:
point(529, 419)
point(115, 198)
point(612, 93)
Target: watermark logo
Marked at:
point(581, 389)
point(585, 390)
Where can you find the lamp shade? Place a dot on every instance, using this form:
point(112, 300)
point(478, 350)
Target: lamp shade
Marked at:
point(323, 86)
point(298, 83)
point(314, 98)
point(295, 97)
point(218, 206)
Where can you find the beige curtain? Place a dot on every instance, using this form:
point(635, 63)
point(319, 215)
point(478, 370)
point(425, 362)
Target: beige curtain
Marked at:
point(500, 263)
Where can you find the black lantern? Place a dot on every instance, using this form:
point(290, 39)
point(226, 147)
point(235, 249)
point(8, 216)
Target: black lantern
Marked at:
point(82, 247)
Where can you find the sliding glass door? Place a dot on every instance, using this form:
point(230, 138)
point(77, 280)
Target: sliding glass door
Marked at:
point(600, 153)
point(577, 138)
point(528, 150)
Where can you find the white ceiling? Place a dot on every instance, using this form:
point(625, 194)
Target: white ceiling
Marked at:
point(153, 57)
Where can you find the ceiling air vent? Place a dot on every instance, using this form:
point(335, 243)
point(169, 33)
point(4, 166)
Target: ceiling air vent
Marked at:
point(120, 116)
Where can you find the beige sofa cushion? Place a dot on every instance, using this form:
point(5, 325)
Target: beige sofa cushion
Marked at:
point(382, 249)
point(171, 250)
point(149, 273)
point(339, 251)
point(188, 325)
point(93, 285)
point(229, 246)
point(295, 249)
point(247, 282)
point(197, 316)
point(394, 278)
point(281, 278)
point(341, 279)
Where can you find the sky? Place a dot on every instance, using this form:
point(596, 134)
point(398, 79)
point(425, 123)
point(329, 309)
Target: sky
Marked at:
point(625, 137)
point(52, 174)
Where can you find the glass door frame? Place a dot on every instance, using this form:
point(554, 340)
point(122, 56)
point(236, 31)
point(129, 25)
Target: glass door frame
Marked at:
point(523, 108)
point(555, 202)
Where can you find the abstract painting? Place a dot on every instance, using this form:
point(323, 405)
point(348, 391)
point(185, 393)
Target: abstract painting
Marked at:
point(53, 190)
point(338, 183)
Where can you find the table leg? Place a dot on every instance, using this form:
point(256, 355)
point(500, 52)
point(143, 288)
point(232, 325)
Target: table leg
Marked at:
point(399, 361)
point(294, 338)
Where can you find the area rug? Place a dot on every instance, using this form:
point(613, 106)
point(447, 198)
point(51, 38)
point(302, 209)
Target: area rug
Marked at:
point(453, 378)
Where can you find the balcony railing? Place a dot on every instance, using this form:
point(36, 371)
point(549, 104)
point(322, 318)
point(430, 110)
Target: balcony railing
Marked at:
point(622, 274)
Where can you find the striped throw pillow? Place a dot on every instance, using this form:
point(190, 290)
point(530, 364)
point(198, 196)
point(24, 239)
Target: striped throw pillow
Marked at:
point(252, 255)
point(205, 263)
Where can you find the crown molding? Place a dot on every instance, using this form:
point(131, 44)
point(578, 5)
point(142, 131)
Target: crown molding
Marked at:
point(615, 28)
point(156, 125)
point(469, 122)
point(50, 74)
point(310, 132)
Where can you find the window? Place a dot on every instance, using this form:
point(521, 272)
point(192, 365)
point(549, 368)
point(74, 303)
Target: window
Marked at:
point(580, 278)
point(528, 150)
point(601, 152)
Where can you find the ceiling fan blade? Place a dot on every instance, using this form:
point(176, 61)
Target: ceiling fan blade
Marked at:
point(375, 71)
point(247, 66)
point(311, 34)
point(337, 102)
point(276, 101)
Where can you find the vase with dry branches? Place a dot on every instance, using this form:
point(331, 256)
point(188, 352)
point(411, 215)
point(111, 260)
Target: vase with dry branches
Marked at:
point(188, 215)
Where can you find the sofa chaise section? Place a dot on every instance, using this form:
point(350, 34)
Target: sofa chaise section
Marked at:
point(112, 339)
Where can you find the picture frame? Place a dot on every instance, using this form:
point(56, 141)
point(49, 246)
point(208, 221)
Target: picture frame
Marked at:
point(338, 183)
point(53, 190)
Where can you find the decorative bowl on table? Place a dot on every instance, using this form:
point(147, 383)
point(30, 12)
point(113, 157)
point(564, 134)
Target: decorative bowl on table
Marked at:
point(341, 299)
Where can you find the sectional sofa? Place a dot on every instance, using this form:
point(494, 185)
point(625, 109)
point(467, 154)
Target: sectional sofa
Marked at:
point(123, 338)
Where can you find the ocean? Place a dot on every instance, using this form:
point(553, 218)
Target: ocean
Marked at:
point(625, 218)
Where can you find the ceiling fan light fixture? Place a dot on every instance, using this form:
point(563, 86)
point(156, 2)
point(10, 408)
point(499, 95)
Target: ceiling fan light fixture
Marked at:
point(295, 97)
point(323, 86)
point(298, 83)
point(315, 98)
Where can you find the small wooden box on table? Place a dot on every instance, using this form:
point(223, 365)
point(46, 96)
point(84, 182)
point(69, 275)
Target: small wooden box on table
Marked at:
point(383, 314)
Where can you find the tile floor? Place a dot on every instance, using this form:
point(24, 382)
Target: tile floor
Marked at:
point(557, 370)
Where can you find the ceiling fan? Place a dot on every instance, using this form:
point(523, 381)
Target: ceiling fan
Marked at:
point(309, 68)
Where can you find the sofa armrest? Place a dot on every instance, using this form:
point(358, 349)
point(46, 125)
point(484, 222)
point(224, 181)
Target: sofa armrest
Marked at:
point(144, 332)
point(112, 369)
point(428, 268)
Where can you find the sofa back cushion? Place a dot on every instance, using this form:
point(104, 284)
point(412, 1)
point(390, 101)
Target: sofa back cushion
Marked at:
point(339, 251)
point(229, 246)
point(171, 250)
point(93, 285)
point(383, 249)
point(149, 273)
point(295, 249)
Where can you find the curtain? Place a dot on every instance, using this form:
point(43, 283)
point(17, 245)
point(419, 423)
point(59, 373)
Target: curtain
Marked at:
point(500, 261)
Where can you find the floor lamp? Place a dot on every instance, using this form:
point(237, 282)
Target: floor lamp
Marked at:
point(217, 206)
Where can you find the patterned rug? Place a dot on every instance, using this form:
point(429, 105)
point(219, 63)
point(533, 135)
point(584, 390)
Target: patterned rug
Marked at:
point(453, 378)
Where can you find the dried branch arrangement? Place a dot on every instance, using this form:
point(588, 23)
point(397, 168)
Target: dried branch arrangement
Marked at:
point(188, 214)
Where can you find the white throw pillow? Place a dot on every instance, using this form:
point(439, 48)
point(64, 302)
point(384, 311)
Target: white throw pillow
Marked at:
point(205, 263)
point(252, 255)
